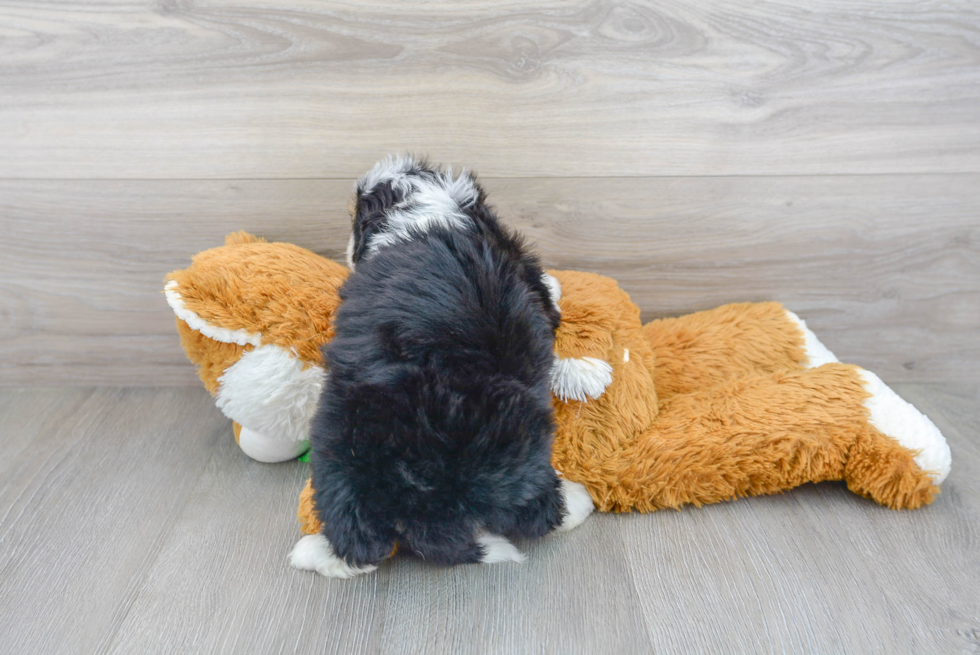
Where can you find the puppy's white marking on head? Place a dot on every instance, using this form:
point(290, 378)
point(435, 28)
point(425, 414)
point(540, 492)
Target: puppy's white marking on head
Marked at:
point(390, 169)
point(580, 378)
point(497, 549)
point(626, 354)
point(554, 289)
point(314, 553)
point(578, 504)
point(817, 354)
point(908, 426)
point(428, 198)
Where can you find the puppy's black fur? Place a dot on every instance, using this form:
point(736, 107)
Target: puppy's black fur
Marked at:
point(371, 217)
point(435, 422)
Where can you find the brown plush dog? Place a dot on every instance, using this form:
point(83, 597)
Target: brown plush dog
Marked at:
point(737, 401)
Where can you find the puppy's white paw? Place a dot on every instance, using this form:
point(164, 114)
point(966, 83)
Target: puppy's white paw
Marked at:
point(497, 549)
point(554, 289)
point(580, 378)
point(314, 553)
point(578, 504)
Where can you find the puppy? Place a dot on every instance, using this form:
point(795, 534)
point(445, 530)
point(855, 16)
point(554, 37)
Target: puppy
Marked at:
point(435, 426)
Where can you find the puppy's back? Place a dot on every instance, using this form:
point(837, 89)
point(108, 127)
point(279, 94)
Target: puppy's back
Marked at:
point(446, 301)
point(436, 418)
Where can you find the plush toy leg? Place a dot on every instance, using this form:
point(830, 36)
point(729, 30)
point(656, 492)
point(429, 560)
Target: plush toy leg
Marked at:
point(268, 449)
point(306, 513)
point(711, 347)
point(762, 434)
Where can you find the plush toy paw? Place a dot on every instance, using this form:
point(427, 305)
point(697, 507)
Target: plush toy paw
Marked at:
point(269, 450)
point(554, 288)
point(898, 419)
point(497, 549)
point(314, 553)
point(578, 504)
point(580, 378)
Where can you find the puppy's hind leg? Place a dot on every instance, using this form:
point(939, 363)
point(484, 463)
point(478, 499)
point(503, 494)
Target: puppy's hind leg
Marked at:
point(578, 505)
point(496, 549)
point(314, 553)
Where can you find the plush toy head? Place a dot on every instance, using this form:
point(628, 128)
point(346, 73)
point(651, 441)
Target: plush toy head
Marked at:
point(252, 316)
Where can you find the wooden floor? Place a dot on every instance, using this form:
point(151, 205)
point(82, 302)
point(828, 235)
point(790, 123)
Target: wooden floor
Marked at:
point(131, 523)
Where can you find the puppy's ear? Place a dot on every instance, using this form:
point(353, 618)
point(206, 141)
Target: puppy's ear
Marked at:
point(370, 215)
point(353, 536)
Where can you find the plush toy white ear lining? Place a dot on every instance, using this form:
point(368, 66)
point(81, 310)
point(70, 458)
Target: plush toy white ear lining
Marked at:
point(580, 378)
point(893, 416)
point(268, 391)
point(314, 553)
point(224, 335)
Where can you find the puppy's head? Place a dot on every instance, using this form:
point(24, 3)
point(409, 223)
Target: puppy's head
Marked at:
point(435, 471)
point(404, 195)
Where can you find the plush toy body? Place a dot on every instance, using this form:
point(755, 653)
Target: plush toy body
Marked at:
point(737, 401)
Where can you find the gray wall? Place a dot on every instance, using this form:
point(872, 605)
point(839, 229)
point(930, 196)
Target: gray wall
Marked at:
point(828, 158)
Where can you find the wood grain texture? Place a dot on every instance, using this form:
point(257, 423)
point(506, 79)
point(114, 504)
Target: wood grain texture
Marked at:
point(91, 481)
point(222, 584)
point(130, 522)
point(886, 269)
point(818, 570)
point(220, 89)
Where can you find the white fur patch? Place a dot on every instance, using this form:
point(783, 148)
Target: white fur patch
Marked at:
point(908, 426)
point(497, 549)
point(580, 378)
point(626, 354)
point(426, 201)
point(314, 553)
point(350, 252)
point(578, 503)
point(817, 353)
point(224, 335)
point(554, 289)
point(270, 392)
point(270, 450)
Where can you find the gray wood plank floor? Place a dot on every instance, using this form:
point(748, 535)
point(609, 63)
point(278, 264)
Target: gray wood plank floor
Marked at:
point(131, 523)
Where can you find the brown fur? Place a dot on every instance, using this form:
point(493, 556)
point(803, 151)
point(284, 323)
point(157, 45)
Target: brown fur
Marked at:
point(738, 414)
point(281, 291)
point(709, 407)
point(211, 357)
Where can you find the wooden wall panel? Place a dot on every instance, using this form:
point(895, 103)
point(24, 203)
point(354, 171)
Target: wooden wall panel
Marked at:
point(252, 89)
point(886, 269)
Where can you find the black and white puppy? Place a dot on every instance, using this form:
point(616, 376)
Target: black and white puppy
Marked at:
point(435, 425)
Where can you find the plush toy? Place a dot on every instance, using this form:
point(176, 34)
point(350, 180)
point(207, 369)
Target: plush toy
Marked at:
point(737, 401)
point(252, 317)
